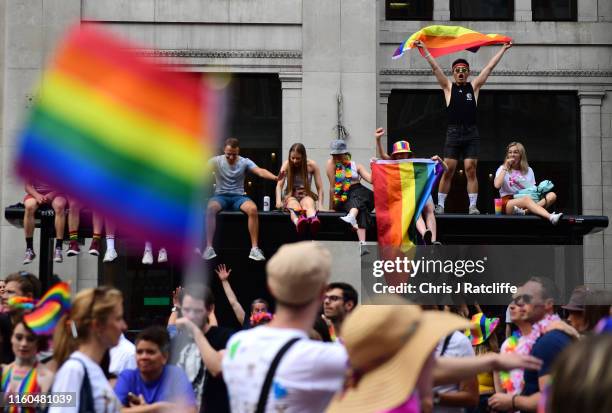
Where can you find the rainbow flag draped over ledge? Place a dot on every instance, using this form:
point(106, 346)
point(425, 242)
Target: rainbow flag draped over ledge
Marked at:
point(442, 40)
point(127, 137)
point(401, 188)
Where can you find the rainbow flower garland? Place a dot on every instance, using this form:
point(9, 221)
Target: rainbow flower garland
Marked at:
point(343, 181)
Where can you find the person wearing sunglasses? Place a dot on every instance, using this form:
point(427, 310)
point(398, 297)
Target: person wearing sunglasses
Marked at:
point(462, 137)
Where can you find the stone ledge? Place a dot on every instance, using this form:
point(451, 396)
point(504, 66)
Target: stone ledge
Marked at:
point(223, 54)
point(544, 73)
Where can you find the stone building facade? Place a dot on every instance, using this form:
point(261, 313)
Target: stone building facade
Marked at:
point(322, 49)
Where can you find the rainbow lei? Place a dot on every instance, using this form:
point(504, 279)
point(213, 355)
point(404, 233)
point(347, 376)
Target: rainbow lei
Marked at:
point(506, 377)
point(343, 181)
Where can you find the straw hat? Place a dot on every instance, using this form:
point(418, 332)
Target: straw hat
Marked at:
point(387, 347)
point(401, 147)
point(298, 272)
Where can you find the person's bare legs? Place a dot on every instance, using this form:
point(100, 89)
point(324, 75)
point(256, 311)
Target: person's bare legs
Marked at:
point(250, 209)
point(430, 219)
point(59, 207)
point(445, 181)
point(472, 182)
point(361, 234)
point(29, 222)
point(308, 205)
point(420, 226)
point(74, 215)
point(292, 206)
point(211, 216)
point(548, 200)
point(527, 203)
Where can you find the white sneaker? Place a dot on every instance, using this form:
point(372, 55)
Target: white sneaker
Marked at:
point(162, 255)
point(554, 217)
point(256, 254)
point(110, 255)
point(518, 211)
point(57, 255)
point(472, 210)
point(209, 253)
point(147, 258)
point(439, 209)
point(349, 219)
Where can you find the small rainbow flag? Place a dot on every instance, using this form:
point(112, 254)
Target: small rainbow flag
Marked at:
point(481, 329)
point(60, 293)
point(21, 303)
point(442, 40)
point(49, 309)
point(126, 137)
point(401, 188)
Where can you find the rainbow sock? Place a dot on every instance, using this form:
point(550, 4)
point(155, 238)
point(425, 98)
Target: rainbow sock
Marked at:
point(74, 235)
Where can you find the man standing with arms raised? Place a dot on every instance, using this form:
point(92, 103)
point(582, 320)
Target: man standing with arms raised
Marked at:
point(462, 137)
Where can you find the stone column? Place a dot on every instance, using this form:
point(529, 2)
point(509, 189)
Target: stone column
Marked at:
point(587, 10)
point(522, 11)
point(291, 85)
point(441, 10)
point(383, 105)
point(592, 194)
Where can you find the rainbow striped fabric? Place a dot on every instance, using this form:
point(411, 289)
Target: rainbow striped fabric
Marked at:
point(49, 309)
point(401, 188)
point(481, 329)
point(126, 137)
point(442, 40)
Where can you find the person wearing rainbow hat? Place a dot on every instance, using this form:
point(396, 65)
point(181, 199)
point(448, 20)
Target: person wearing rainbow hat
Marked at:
point(401, 150)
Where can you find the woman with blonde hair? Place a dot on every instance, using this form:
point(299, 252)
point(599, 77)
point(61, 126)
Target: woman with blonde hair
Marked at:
point(298, 197)
point(514, 175)
point(93, 325)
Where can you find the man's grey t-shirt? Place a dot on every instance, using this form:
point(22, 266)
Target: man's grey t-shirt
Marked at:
point(230, 178)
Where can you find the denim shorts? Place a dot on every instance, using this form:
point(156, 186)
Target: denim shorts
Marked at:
point(230, 202)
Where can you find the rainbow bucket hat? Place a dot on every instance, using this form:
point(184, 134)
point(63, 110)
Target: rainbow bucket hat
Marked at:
point(401, 147)
point(481, 329)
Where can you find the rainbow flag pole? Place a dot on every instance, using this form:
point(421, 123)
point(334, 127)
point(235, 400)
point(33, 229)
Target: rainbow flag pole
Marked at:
point(126, 137)
point(401, 188)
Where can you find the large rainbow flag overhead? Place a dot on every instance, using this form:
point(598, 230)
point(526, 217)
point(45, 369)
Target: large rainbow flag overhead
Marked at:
point(126, 137)
point(441, 40)
point(401, 188)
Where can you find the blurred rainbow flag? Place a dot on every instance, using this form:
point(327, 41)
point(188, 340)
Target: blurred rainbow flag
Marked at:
point(401, 188)
point(441, 40)
point(127, 137)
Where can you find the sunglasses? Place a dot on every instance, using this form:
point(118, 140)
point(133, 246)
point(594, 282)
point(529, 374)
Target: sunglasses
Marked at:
point(522, 299)
point(461, 70)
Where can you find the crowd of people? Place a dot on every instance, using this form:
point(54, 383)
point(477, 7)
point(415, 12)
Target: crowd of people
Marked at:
point(316, 349)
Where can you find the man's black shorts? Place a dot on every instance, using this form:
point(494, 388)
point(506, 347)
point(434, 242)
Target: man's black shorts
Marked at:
point(462, 142)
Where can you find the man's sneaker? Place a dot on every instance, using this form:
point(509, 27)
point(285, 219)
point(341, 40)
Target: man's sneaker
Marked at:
point(427, 237)
point(256, 254)
point(162, 255)
point(73, 248)
point(147, 257)
point(57, 255)
point(110, 255)
point(29, 256)
point(349, 219)
point(554, 217)
point(473, 210)
point(439, 209)
point(209, 253)
point(518, 211)
point(94, 247)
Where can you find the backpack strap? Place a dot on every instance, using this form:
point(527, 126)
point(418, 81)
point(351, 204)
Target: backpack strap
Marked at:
point(265, 389)
point(86, 398)
point(446, 343)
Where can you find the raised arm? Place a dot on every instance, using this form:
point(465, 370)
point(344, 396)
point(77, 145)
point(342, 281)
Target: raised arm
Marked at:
point(319, 184)
point(331, 177)
point(211, 357)
point(380, 151)
point(499, 178)
point(223, 272)
point(445, 84)
point(280, 184)
point(484, 75)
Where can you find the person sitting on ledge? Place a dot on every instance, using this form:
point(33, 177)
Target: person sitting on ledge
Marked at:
point(230, 170)
point(298, 198)
point(346, 192)
point(401, 150)
point(514, 175)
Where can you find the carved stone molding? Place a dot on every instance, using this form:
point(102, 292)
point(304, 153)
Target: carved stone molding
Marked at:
point(542, 73)
point(290, 80)
point(590, 97)
point(223, 54)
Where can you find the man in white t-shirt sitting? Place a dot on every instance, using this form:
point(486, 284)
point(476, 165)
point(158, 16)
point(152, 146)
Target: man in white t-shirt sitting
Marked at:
point(310, 372)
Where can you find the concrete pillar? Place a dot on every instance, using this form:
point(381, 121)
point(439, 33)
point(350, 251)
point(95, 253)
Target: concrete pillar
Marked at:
point(291, 85)
point(592, 194)
point(383, 105)
point(587, 10)
point(441, 10)
point(522, 11)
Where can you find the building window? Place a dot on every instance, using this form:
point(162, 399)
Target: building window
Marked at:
point(554, 10)
point(409, 9)
point(482, 9)
point(547, 123)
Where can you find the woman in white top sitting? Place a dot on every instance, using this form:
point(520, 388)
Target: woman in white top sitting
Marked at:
point(298, 198)
point(93, 325)
point(514, 175)
point(346, 192)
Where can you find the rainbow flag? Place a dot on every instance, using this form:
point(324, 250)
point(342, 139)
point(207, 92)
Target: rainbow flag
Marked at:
point(21, 303)
point(49, 309)
point(127, 137)
point(442, 40)
point(401, 188)
point(481, 329)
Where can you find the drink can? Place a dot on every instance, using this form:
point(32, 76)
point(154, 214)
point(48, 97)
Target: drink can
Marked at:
point(266, 203)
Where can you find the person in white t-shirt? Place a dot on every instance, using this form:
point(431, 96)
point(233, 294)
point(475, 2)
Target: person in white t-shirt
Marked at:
point(82, 336)
point(310, 372)
point(122, 356)
point(514, 175)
